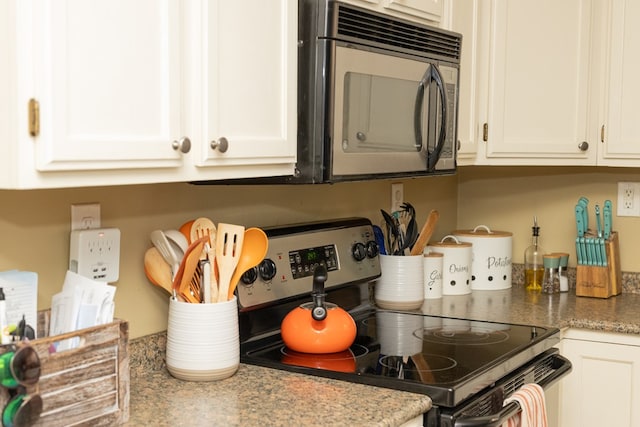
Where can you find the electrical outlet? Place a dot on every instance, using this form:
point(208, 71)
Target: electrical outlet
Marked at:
point(85, 216)
point(95, 253)
point(397, 196)
point(628, 199)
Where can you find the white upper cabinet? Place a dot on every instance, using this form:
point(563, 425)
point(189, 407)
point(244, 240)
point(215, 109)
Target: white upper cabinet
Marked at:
point(538, 78)
point(107, 76)
point(466, 21)
point(621, 131)
point(244, 96)
point(553, 83)
point(425, 11)
point(135, 92)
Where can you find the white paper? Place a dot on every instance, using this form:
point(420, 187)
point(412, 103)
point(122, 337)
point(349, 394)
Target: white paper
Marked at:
point(82, 303)
point(21, 295)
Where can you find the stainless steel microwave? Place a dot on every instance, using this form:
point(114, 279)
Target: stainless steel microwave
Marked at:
point(377, 95)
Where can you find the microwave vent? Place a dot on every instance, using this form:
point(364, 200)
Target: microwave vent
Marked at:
point(381, 30)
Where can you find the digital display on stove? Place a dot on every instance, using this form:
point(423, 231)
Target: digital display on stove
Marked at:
point(304, 261)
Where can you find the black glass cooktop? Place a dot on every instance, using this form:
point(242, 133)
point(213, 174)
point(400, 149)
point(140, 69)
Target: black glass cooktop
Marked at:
point(448, 359)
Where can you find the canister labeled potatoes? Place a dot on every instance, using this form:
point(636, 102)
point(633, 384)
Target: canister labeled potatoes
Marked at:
point(491, 257)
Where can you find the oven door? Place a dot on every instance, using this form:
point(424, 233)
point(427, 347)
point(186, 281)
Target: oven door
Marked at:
point(486, 409)
point(391, 114)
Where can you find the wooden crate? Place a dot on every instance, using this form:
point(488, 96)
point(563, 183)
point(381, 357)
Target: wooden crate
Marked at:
point(601, 282)
point(87, 385)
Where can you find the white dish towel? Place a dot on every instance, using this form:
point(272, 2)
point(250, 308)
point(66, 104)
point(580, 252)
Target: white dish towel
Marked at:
point(534, 411)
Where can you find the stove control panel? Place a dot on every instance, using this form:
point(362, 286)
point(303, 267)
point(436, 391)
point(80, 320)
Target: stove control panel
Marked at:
point(346, 247)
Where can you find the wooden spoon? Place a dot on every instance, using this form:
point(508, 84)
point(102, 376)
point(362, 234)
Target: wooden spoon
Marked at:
point(157, 270)
point(425, 233)
point(254, 249)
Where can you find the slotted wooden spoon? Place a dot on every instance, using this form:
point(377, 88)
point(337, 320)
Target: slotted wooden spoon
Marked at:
point(229, 241)
point(204, 227)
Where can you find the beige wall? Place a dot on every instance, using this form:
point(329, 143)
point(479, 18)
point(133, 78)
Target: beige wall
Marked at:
point(34, 225)
point(507, 198)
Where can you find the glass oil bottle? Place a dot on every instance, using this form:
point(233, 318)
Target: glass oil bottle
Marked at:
point(533, 265)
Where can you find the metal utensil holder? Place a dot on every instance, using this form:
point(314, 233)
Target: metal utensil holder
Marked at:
point(601, 281)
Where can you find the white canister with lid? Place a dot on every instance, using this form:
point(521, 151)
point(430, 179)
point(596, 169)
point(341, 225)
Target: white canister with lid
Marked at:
point(491, 257)
point(456, 265)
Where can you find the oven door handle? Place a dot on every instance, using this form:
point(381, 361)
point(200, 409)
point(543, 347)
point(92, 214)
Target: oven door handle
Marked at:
point(513, 408)
point(432, 74)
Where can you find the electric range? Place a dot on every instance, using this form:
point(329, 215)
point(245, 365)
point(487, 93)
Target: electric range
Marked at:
point(466, 367)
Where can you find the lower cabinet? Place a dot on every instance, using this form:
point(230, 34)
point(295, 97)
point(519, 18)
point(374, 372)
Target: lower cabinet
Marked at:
point(604, 385)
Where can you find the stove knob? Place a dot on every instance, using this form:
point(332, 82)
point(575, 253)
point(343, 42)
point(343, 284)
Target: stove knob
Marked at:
point(267, 269)
point(249, 276)
point(359, 251)
point(372, 249)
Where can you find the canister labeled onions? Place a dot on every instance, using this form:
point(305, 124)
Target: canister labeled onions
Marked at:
point(456, 265)
point(491, 259)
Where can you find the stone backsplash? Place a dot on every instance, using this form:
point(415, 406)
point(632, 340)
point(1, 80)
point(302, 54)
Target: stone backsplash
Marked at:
point(630, 280)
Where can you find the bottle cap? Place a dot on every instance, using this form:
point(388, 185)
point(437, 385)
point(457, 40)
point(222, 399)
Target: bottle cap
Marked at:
point(551, 260)
point(564, 259)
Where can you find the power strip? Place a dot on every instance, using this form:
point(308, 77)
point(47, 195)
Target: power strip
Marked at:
point(95, 253)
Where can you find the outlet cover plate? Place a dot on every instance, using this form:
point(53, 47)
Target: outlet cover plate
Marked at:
point(629, 199)
point(95, 253)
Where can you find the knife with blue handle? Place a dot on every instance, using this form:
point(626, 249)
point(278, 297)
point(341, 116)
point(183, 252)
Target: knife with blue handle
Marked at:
point(607, 219)
point(580, 224)
point(579, 251)
point(603, 252)
point(598, 224)
point(584, 202)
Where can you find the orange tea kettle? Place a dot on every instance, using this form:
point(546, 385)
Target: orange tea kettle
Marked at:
point(318, 326)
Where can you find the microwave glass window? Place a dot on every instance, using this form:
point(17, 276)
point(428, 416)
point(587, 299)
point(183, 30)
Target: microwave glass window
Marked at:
point(379, 114)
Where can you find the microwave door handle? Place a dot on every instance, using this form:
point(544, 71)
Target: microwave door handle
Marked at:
point(434, 156)
point(432, 74)
point(417, 111)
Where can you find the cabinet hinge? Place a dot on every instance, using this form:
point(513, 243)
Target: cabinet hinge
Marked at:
point(602, 134)
point(34, 117)
point(485, 132)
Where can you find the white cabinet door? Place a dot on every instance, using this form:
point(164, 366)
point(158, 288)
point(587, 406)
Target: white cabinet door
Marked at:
point(603, 387)
point(466, 20)
point(426, 11)
point(430, 10)
point(538, 79)
point(621, 131)
point(107, 75)
point(245, 73)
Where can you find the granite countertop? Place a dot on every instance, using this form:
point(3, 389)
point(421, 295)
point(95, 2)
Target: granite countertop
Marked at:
point(263, 396)
point(257, 396)
point(620, 313)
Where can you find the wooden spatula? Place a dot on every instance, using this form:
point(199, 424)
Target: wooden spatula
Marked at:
point(229, 239)
point(187, 269)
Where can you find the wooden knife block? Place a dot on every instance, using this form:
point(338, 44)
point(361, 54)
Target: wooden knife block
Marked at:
point(601, 282)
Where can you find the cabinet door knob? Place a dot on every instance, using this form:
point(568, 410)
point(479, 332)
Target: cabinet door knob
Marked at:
point(183, 145)
point(222, 145)
point(583, 146)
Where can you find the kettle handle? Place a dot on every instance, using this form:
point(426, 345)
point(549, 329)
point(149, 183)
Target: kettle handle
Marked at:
point(319, 310)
